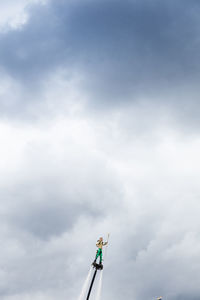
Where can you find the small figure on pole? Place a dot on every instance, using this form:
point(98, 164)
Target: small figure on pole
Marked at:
point(97, 266)
point(100, 243)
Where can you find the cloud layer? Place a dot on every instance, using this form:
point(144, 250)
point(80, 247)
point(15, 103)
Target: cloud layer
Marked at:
point(99, 133)
point(124, 51)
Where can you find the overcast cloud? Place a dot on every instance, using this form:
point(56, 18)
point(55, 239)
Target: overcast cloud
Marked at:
point(99, 132)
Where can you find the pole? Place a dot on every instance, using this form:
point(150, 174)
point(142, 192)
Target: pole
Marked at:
point(91, 285)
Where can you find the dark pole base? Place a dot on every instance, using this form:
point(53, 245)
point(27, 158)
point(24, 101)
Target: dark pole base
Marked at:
point(97, 266)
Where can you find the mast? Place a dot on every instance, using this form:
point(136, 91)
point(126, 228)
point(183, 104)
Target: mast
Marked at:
point(91, 285)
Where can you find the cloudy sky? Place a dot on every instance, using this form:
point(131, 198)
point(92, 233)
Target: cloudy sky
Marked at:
point(99, 132)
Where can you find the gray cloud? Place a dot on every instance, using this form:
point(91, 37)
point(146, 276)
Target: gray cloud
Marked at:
point(69, 174)
point(124, 50)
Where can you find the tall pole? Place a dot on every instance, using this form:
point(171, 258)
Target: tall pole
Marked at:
point(91, 285)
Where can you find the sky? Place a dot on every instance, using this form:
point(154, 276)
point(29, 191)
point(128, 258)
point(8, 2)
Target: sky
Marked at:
point(99, 132)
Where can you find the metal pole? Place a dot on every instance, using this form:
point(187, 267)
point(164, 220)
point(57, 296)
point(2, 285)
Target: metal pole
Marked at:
point(93, 278)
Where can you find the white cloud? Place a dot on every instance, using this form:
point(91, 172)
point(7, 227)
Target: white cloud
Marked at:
point(147, 185)
point(69, 173)
point(14, 14)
